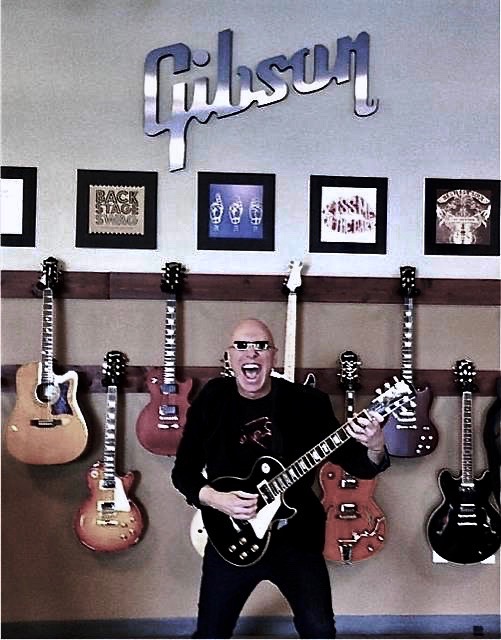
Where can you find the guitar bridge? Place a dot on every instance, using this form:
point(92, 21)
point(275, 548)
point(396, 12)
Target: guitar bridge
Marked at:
point(46, 424)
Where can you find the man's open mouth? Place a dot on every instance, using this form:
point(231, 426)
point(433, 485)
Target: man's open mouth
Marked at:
point(251, 371)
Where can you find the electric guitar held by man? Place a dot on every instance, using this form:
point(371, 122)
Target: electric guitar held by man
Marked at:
point(243, 542)
point(109, 520)
point(46, 425)
point(355, 526)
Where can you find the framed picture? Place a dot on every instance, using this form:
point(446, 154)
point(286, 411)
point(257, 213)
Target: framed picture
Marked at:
point(348, 214)
point(461, 217)
point(236, 211)
point(116, 209)
point(18, 206)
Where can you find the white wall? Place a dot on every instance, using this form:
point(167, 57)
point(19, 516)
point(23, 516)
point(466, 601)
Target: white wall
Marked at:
point(72, 97)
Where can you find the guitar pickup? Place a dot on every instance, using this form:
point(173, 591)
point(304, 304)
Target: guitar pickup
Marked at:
point(348, 511)
point(46, 424)
point(105, 506)
point(107, 523)
point(349, 483)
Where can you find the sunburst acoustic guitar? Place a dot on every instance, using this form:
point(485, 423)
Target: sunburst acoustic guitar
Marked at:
point(46, 425)
point(109, 520)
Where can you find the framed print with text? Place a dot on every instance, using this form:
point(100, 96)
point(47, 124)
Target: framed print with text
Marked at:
point(348, 214)
point(461, 217)
point(236, 211)
point(116, 209)
point(18, 200)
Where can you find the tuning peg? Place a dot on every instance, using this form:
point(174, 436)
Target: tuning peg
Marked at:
point(379, 391)
point(413, 404)
point(387, 385)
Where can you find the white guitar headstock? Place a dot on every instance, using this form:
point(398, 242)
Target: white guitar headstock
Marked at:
point(293, 281)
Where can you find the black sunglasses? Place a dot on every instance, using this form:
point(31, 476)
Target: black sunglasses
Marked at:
point(258, 345)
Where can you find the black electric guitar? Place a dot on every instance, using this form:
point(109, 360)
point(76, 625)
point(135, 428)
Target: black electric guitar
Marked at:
point(466, 527)
point(160, 423)
point(109, 520)
point(409, 433)
point(243, 542)
point(355, 527)
point(46, 425)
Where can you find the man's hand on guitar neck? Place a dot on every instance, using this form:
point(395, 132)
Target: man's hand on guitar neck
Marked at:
point(368, 432)
point(236, 504)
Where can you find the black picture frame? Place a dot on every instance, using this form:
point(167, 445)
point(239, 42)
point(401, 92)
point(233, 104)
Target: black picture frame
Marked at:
point(29, 205)
point(348, 214)
point(461, 217)
point(127, 195)
point(236, 211)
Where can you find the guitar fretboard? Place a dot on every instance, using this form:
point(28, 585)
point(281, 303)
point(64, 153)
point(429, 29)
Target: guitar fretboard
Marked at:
point(271, 489)
point(109, 456)
point(290, 338)
point(47, 350)
point(407, 340)
point(169, 371)
point(467, 436)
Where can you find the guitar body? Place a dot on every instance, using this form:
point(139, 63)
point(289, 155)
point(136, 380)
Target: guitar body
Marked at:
point(356, 525)
point(159, 426)
point(108, 520)
point(243, 542)
point(45, 432)
point(465, 528)
point(410, 433)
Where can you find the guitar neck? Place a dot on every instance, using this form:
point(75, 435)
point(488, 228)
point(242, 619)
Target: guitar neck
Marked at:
point(169, 367)
point(349, 404)
point(408, 340)
point(290, 338)
point(109, 457)
point(47, 348)
point(467, 438)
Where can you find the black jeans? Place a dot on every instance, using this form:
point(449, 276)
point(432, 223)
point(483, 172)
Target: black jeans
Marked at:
point(301, 576)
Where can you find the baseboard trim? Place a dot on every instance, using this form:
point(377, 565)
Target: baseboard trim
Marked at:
point(382, 626)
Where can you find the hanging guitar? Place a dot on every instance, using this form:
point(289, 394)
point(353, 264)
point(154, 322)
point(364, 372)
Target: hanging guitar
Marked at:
point(292, 284)
point(243, 542)
point(160, 424)
point(410, 433)
point(46, 425)
point(466, 527)
point(356, 526)
point(109, 520)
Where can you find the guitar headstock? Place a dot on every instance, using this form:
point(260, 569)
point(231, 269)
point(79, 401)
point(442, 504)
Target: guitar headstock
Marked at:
point(349, 363)
point(393, 397)
point(49, 275)
point(293, 280)
point(464, 374)
point(408, 282)
point(172, 276)
point(113, 368)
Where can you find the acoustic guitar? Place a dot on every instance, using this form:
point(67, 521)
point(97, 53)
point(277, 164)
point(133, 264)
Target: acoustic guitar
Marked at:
point(46, 425)
point(159, 426)
point(109, 520)
point(243, 542)
point(465, 528)
point(410, 433)
point(355, 528)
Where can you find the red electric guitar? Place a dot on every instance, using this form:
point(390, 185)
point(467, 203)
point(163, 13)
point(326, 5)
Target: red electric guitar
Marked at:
point(356, 526)
point(409, 433)
point(160, 424)
point(109, 520)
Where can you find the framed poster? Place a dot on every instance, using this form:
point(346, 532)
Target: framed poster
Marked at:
point(461, 217)
point(236, 211)
point(348, 214)
point(18, 199)
point(116, 209)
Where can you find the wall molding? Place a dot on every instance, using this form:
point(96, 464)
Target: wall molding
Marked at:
point(258, 288)
point(440, 381)
point(377, 626)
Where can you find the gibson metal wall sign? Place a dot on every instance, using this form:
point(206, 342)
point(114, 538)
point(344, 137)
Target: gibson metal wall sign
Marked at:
point(269, 72)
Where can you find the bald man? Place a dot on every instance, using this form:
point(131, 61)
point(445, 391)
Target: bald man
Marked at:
point(232, 423)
